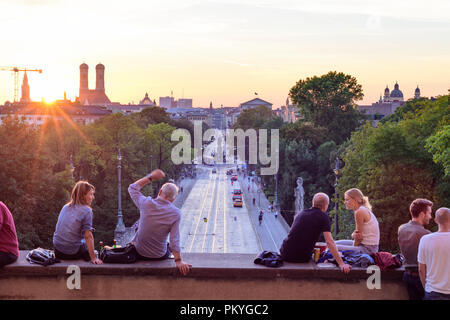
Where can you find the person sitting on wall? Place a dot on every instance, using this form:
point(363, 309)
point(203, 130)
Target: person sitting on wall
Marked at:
point(9, 245)
point(74, 224)
point(366, 237)
point(159, 217)
point(305, 231)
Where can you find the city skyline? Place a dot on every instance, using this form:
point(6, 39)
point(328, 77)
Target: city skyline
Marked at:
point(224, 51)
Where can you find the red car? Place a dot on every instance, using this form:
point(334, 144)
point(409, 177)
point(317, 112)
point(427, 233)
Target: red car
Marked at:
point(234, 178)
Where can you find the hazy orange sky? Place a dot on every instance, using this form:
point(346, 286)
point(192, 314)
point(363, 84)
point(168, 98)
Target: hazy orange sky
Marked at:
point(224, 51)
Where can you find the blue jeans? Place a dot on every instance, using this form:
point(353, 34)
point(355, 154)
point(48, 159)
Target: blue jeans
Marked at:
point(348, 245)
point(433, 295)
point(414, 286)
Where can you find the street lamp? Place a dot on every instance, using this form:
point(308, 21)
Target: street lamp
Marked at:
point(120, 228)
point(336, 173)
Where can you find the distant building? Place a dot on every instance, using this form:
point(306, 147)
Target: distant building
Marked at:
point(147, 101)
point(288, 112)
point(184, 103)
point(167, 102)
point(395, 96)
point(97, 96)
point(386, 105)
point(255, 103)
point(232, 116)
point(191, 114)
point(25, 89)
point(37, 113)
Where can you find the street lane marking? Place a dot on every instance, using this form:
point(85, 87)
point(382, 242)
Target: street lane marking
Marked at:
point(210, 209)
point(199, 217)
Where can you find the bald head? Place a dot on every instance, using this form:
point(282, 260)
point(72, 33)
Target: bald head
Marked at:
point(321, 201)
point(168, 191)
point(443, 216)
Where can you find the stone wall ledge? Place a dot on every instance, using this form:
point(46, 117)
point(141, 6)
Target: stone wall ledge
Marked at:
point(204, 265)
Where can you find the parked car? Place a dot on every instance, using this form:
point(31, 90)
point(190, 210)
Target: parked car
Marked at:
point(237, 203)
point(214, 170)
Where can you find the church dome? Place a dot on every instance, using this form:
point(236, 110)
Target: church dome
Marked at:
point(99, 66)
point(417, 90)
point(396, 93)
point(84, 66)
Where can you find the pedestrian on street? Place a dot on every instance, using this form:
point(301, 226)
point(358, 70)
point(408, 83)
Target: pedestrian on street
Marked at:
point(260, 217)
point(254, 201)
point(248, 188)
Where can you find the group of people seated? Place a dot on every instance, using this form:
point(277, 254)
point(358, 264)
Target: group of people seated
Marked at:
point(427, 255)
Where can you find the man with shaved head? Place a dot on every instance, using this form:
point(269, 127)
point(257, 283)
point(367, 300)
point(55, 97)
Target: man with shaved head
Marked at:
point(305, 231)
point(434, 259)
point(159, 217)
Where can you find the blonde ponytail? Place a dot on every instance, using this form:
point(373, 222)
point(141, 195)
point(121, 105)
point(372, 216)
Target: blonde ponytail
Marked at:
point(359, 197)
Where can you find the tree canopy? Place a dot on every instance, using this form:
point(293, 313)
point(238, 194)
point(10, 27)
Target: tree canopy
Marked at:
point(328, 101)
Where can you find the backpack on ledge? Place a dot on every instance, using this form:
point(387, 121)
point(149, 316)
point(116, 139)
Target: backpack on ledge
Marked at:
point(119, 255)
point(42, 256)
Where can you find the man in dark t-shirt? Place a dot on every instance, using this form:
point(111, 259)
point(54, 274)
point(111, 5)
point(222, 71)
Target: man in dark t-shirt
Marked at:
point(305, 231)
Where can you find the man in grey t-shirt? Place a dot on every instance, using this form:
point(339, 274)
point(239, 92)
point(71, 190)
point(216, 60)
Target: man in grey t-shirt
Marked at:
point(159, 217)
point(409, 235)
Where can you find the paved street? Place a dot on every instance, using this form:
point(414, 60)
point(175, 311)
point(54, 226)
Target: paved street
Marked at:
point(210, 222)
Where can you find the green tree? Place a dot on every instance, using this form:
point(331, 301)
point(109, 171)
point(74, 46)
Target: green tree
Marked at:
point(329, 101)
point(439, 145)
point(392, 165)
point(253, 118)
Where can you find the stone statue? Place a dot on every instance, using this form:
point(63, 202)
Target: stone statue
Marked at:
point(299, 194)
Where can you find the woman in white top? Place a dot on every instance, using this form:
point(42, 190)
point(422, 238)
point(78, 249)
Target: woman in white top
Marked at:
point(366, 236)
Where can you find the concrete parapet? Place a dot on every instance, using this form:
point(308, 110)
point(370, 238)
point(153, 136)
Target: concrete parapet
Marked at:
point(213, 276)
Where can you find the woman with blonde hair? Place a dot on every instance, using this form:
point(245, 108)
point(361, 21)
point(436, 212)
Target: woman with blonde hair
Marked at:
point(366, 236)
point(75, 225)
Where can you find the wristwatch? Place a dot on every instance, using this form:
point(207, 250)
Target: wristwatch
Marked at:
point(149, 177)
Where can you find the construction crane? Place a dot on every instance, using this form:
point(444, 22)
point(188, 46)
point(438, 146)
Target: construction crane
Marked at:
point(16, 78)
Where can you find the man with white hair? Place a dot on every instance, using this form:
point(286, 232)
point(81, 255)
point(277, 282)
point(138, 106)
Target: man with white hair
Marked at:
point(305, 231)
point(159, 217)
point(434, 259)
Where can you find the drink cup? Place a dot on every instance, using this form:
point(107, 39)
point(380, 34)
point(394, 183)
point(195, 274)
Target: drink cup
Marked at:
point(321, 245)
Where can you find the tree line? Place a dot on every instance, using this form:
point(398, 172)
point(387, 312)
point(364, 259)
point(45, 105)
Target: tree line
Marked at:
point(40, 165)
point(405, 157)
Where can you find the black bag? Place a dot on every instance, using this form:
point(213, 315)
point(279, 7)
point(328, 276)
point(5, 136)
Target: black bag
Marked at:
point(119, 255)
point(269, 259)
point(42, 256)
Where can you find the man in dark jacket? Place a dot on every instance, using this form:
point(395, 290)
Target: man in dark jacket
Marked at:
point(305, 231)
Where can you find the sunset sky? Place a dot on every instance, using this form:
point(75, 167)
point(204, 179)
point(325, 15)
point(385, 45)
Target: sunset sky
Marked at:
point(224, 51)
